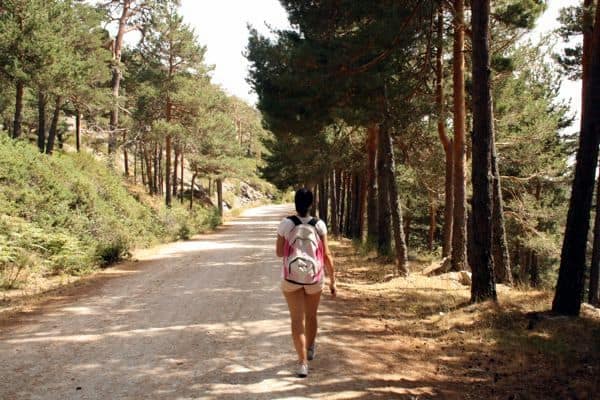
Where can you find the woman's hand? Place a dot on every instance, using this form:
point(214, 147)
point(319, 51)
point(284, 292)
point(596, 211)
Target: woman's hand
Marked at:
point(333, 289)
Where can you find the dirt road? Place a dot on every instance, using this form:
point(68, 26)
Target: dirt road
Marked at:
point(201, 319)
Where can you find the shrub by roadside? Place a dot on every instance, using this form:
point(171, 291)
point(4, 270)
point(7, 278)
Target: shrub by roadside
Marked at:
point(69, 214)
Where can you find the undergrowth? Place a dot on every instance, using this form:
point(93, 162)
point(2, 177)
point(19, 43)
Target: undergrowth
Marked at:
point(69, 214)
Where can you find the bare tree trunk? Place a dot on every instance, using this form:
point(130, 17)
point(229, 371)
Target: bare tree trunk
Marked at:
point(192, 192)
point(334, 203)
point(459, 233)
point(371, 182)
point(182, 169)
point(569, 289)
point(384, 237)
point(220, 195)
point(362, 198)
point(18, 121)
point(501, 256)
point(342, 188)
point(348, 216)
point(355, 227)
point(387, 152)
point(53, 126)
point(446, 141)
point(483, 286)
point(323, 200)
point(117, 74)
point(594, 294)
point(41, 129)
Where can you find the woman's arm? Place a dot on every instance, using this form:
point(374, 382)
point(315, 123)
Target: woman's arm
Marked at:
point(329, 266)
point(279, 246)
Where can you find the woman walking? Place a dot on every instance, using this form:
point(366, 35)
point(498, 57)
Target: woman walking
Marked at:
point(302, 242)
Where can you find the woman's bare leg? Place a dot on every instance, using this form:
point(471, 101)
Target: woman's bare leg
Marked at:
point(311, 304)
point(295, 301)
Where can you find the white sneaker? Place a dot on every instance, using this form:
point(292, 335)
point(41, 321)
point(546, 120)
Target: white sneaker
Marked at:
point(302, 370)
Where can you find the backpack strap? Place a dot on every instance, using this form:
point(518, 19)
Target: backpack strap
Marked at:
point(313, 222)
point(295, 220)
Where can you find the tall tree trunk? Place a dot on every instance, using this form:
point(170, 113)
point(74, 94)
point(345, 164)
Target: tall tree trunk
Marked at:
point(534, 271)
point(569, 289)
point(371, 184)
point(175, 169)
point(220, 195)
point(362, 198)
point(459, 233)
point(594, 294)
point(483, 285)
point(78, 130)
point(168, 157)
point(341, 195)
point(192, 192)
point(387, 153)
point(588, 30)
point(182, 169)
point(348, 216)
point(356, 207)
point(18, 121)
point(41, 129)
point(323, 204)
point(117, 74)
point(500, 253)
point(334, 203)
point(384, 237)
point(53, 126)
point(342, 214)
point(446, 141)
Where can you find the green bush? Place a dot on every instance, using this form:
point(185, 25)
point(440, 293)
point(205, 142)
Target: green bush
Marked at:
point(70, 213)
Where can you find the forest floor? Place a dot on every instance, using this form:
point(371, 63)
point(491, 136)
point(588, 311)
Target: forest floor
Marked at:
point(204, 319)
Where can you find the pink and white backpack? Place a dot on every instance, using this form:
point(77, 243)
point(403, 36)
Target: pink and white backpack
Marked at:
point(303, 253)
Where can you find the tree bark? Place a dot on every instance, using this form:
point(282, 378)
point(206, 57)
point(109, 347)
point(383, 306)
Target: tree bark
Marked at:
point(387, 152)
point(192, 192)
point(371, 183)
point(446, 141)
point(323, 200)
point(41, 129)
point(384, 237)
point(53, 126)
point(182, 169)
point(220, 195)
point(594, 294)
point(483, 285)
point(348, 217)
point(459, 233)
point(355, 227)
point(117, 75)
point(588, 30)
point(362, 198)
point(500, 253)
point(340, 187)
point(18, 121)
point(334, 203)
point(569, 289)
point(175, 169)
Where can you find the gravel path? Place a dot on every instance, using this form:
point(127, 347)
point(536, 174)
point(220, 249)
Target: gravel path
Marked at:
point(201, 319)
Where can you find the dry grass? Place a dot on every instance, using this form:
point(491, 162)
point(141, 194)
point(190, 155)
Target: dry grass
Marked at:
point(509, 350)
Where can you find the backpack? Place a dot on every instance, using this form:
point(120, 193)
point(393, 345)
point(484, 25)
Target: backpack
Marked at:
point(303, 253)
